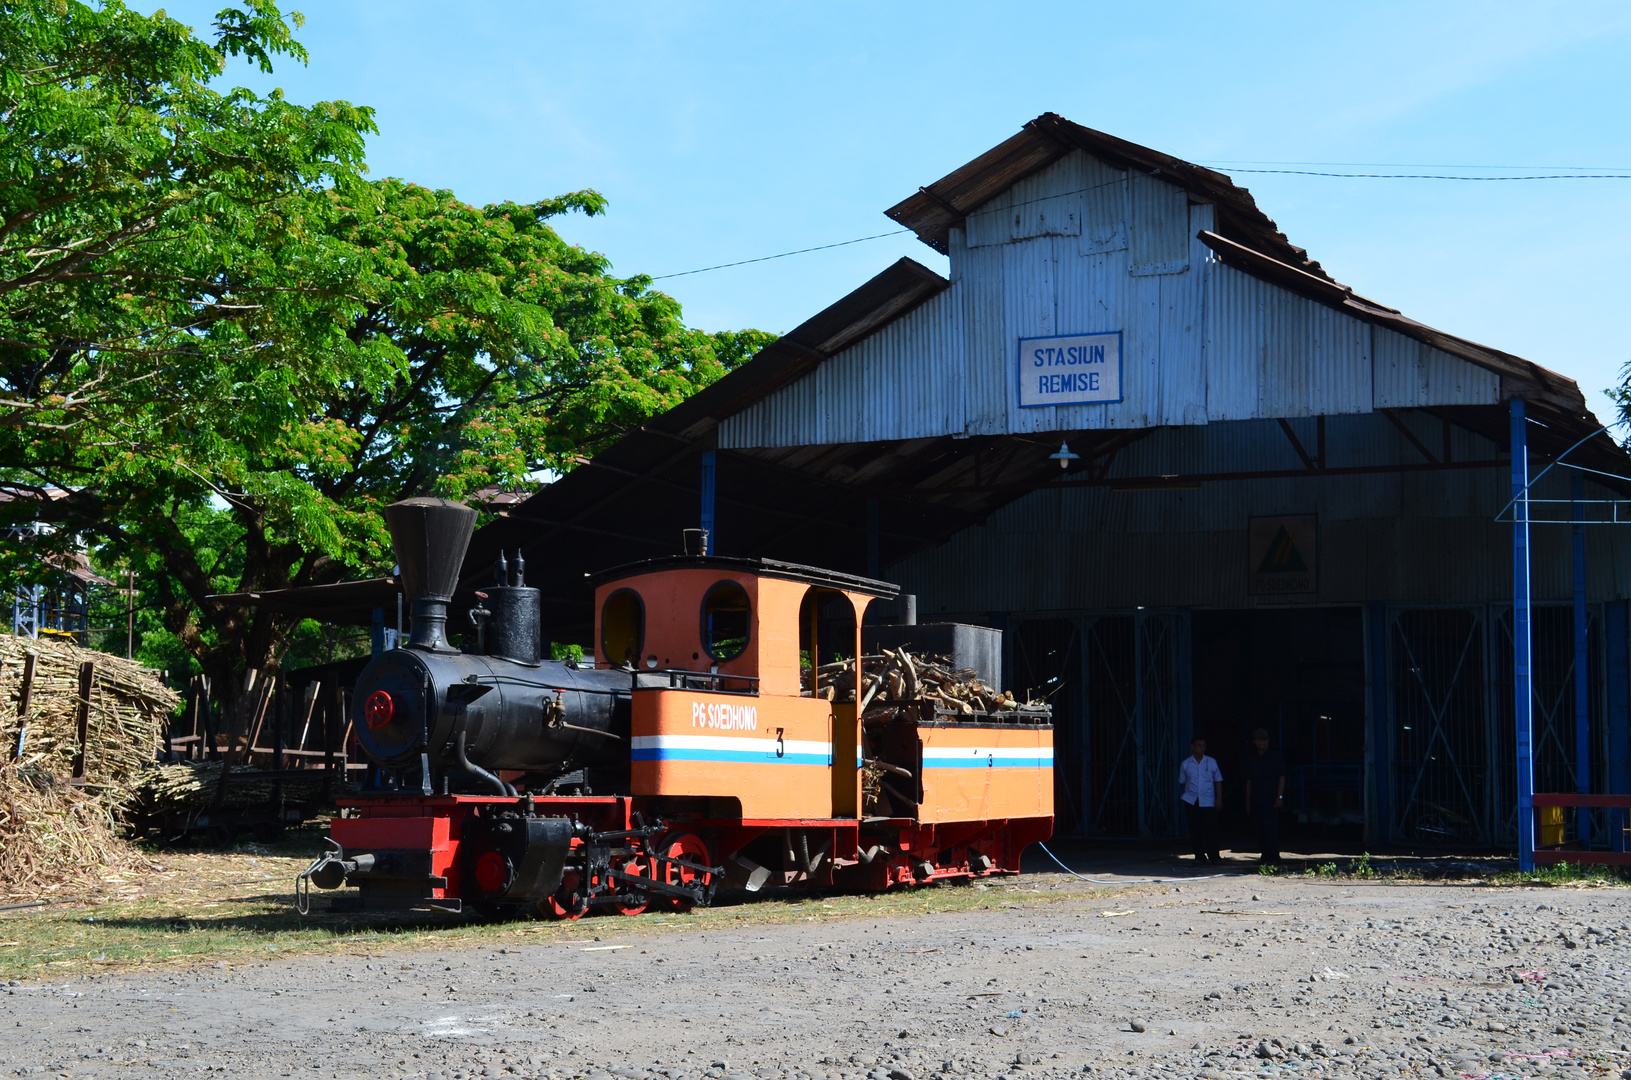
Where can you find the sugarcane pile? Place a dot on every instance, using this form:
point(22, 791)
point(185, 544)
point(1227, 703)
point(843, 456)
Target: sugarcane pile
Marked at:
point(128, 710)
point(191, 786)
point(57, 840)
point(58, 832)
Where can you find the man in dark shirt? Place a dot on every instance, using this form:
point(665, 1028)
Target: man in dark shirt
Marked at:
point(1265, 795)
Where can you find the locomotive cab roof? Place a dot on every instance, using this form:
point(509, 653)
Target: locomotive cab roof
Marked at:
point(774, 568)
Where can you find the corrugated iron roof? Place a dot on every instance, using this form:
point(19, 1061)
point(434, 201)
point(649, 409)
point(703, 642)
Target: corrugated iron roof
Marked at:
point(882, 300)
point(934, 209)
point(1532, 381)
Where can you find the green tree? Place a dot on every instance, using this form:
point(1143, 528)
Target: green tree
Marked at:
point(229, 350)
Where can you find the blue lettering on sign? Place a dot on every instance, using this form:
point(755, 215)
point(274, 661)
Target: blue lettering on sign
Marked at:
point(1084, 381)
point(1071, 369)
point(1070, 356)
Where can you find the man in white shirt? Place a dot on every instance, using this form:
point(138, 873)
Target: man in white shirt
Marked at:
point(1202, 783)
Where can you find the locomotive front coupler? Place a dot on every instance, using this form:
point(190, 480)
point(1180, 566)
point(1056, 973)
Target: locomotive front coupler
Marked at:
point(328, 871)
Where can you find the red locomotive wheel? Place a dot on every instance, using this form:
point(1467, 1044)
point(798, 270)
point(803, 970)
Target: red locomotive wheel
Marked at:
point(637, 866)
point(568, 901)
point(689, 847)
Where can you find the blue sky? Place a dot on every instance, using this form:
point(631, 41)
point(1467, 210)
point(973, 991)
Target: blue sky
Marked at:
point(724, 132)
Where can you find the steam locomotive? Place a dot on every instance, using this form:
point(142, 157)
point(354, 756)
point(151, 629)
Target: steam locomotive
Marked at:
point(708, 745)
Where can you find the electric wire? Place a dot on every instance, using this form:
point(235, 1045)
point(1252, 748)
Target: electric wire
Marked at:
point(783, 255)
point(1436, 176)
point(1283, 172)
point(1416, 165)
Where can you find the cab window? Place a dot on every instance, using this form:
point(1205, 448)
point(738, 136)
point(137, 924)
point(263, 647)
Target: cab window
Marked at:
point(622, 627)
point(725, 621)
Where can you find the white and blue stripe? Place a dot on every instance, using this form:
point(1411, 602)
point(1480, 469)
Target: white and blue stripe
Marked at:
point(730, 750)
point(988, 757)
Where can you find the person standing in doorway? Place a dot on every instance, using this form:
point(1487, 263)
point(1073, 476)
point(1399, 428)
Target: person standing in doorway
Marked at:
point(1202, 784)
point(1265, 795)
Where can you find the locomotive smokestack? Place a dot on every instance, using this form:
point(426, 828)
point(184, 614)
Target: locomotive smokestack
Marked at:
point(430, 537)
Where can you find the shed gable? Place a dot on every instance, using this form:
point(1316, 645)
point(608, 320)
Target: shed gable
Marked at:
point(1086, 247)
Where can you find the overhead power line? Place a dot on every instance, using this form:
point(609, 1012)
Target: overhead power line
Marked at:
point(1283, 172)
point(782, 255)
point(1439, 176)
point(1422, 165)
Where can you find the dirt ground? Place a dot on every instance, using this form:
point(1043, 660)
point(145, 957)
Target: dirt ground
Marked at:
point(1049, 977)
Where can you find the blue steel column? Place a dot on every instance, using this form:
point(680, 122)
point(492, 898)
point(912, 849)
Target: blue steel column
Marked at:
point(1522, 693)
point(708, 473)
point(1582, 668)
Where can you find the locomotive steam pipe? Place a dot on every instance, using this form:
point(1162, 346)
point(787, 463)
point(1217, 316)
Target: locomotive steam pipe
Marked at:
point(477, 771)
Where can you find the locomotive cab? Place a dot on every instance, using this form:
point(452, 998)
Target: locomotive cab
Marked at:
point(757, 718)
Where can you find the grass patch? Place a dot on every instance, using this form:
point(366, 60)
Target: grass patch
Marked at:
point(238, 908)
point(1571, 874)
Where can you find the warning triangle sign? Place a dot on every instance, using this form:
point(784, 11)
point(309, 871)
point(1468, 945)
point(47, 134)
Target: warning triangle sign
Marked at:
point(1282, 556)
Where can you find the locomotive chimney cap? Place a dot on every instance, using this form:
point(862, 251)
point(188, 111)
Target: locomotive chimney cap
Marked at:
point(430, 537)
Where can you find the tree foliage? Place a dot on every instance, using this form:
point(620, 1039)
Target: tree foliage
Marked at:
point(230, 349)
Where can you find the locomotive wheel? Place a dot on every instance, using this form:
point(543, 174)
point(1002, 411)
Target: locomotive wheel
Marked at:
point(569, 901)
point(635, 866)
point(687, 846)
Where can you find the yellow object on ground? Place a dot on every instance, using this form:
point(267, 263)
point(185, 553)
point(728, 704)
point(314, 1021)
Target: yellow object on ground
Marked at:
point(1551, 826)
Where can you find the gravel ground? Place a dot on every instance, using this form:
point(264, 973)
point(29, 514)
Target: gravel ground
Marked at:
point(1231, 976)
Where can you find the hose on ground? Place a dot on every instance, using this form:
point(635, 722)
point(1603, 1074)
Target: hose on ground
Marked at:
point(1125, 881)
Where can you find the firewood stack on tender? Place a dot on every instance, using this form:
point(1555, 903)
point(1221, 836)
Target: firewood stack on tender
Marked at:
point(897, 686)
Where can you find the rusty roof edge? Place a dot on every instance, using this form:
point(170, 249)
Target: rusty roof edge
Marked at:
point(1268, 267)
point(931, 211)
point(887, 296)
point(1534, 380)
point(1091, 140)
point(934, 196)
point(1558, 388)
point(1207, 184)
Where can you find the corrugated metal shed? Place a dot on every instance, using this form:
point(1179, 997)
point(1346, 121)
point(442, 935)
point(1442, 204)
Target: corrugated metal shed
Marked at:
point(886, 434)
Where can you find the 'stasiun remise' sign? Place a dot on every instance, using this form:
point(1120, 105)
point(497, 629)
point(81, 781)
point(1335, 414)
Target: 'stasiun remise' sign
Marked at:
point(1075, 369)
